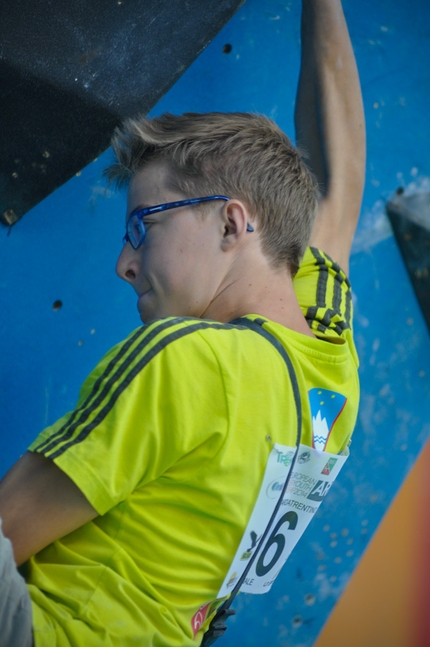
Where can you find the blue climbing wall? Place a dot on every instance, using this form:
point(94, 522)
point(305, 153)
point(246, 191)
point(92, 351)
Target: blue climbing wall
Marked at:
point(63, 252)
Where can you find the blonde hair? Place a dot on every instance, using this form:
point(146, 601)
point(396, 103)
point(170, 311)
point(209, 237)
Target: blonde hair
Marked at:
point(240, 155)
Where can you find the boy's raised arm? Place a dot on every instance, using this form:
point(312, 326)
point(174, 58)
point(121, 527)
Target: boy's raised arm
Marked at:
point(330, 126)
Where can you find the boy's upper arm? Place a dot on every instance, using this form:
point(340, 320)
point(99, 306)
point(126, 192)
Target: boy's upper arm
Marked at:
point(39, 503)
point(334, 228)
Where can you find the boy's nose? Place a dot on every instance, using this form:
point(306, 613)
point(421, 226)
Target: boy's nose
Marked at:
point(127, 266)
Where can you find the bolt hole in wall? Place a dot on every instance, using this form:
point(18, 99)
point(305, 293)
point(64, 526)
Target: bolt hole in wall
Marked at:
point(227, 49)
point(57, 304)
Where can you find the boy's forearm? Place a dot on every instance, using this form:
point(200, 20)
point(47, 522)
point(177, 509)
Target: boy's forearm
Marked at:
point(329, 114)
point(329, 110)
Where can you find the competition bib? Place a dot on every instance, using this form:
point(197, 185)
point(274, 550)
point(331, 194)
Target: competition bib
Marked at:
point(314, 472)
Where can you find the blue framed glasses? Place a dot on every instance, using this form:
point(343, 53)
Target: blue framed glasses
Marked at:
point(135, 229)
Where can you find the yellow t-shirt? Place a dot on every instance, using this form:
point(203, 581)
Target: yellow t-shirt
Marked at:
point(169, 442)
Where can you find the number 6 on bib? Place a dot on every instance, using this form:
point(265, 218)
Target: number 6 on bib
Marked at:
point(314, 472)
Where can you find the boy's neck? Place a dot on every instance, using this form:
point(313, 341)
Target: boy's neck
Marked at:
point(266, 292)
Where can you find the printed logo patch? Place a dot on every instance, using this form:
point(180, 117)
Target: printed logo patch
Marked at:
point(285, 457)
point(329, 466)
point(326, 407)
point(319, 491)
point(274, 489)
point(304, 457)
point(253, 541)
point(199, 617)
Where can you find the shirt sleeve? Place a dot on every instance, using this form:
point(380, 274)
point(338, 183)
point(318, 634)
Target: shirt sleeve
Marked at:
point(325, 297)
point(120, 437)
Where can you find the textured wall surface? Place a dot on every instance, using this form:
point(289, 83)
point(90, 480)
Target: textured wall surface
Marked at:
point(71, 72)
point(65, 250)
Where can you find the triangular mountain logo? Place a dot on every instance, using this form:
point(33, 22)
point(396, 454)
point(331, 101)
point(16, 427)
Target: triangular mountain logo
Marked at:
point(326, 407)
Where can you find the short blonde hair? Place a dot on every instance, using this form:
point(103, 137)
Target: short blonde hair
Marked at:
point(240, 155)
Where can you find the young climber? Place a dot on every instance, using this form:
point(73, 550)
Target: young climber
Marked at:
point(133, 513)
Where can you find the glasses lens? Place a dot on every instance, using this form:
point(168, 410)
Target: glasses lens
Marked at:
point(135, 231)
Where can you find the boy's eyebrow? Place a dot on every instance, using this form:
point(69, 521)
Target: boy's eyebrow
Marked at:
point(139, 208)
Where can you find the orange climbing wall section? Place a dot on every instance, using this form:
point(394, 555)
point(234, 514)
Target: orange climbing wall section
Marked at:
point(386, 603)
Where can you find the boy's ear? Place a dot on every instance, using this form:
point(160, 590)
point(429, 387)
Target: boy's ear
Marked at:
point(235, 219)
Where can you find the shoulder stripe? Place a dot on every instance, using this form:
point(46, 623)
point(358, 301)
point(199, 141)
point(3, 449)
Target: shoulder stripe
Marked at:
point(337, 293)
point(322, 277)
point(113, 372)
point(159, 346)
point(348, 308)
